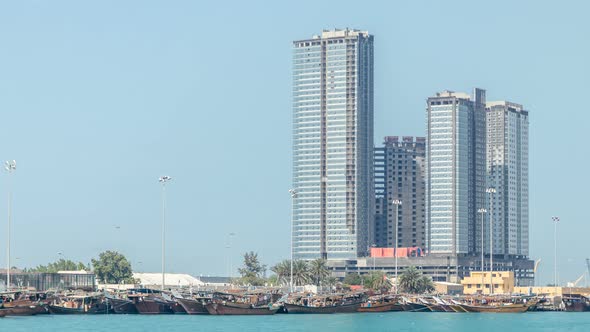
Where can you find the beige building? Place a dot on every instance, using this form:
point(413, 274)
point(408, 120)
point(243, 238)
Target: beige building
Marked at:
point(552, 291)
point(479, 282)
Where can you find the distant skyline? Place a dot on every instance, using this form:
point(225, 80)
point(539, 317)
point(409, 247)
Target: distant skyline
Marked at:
point(99, 99)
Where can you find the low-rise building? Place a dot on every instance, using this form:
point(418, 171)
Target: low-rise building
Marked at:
point(478, 282)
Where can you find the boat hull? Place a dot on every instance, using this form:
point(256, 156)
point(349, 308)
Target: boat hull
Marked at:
point(384, 307)
point(415, 307)
point(153, 307)
point(20, 311)
point(193, 307)
point(299, 309)
point(96, 310)
point(221, 309)
point(122, 306)
point(512, 308)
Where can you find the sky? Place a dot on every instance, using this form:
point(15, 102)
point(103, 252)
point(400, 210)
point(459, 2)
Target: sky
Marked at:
point(100, 98)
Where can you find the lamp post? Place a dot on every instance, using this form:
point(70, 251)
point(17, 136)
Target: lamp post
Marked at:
point(163, 180)
point(482, 211)
point(397, 203)
point(555, 221)
point(9, 166)
point(293, 193)
point(491, 191)
point(230, 237)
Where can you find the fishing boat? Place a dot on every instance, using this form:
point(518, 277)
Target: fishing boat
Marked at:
point(149, 301)
point(86, 304)
point(413, 306)
point(248, 303)
point(507, 308)
point(193, 306)
point(215, 308)
point(20, 310)
point(327, 304)
point(380, 304)
point(576, 303)
point(121, 305)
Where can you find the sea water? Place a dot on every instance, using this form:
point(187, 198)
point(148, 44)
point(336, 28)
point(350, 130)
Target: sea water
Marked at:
point(390, 321)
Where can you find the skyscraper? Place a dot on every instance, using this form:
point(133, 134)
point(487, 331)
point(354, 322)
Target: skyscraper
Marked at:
point(456, 171)
point(399, 175)
point(507, 165)
point(333, 144)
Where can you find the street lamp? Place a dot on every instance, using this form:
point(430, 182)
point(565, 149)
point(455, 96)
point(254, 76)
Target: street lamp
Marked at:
point(163, 180)
point(482, 211)
point(229, 258)
point(555, 221)
point(397, 203)
point(9, 166)
point(491, 191)
point(293, 193)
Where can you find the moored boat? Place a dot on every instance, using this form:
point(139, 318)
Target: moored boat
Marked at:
point(215, 308)
point(122, 306)
point(90, 304)
point(380, 304)
point(502, 308)
point(28, 310)
point(193, 306)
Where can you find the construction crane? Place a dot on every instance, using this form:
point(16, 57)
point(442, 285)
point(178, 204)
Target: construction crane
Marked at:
point(535, 269)
point(575, 283)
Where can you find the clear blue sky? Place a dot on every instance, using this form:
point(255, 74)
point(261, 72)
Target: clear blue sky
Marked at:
point(99, 98)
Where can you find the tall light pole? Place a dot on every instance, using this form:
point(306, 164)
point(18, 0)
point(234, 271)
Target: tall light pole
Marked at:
point(491, 191)
point(555, 221)
point(9, 166)
point(482, 211)
point(163, 180)
point(230, 237)
point(293, 193)
point(397, 203)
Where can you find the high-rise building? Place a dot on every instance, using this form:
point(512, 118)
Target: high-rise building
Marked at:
point(455, 171)
point(399, 175)
point(333, 145)
point(507, 165)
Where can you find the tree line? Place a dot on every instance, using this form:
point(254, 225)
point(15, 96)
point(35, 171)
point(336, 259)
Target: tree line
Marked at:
point(316, 272)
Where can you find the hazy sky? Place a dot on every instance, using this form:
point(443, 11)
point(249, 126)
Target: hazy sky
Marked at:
point(100, 98)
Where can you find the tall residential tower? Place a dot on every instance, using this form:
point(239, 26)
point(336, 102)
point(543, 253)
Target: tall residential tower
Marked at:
point(333, 145)
point(399, 175)
point(507, 164)
point(455, 171)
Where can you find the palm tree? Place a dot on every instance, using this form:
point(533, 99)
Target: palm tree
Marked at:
point(283, 271)
point(318, 270)
point(377, 280)
point(425, 284)
point(409, 280)
point(301, 275)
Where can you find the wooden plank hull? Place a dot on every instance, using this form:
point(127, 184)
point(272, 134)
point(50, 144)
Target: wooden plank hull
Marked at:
point(299, 309)
point(94, 310)
point(193, 307)
point(221, 309)
point(20, 311)
point(149, 306)
point(511, 308)
point(122, 306)
point(382, 307)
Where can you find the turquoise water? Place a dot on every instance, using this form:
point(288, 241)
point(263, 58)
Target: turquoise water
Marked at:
point(392, 321)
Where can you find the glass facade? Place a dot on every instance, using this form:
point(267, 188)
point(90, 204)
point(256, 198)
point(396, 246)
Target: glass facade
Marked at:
point(332, 144)
point(455, 181)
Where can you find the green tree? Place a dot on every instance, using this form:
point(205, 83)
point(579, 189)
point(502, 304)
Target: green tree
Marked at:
point(112, 267)
point(283, 271)
point(252, 271)
point(318, 270)
point(377, 280)
point(301, 275)
point(60, 265)
point(352, 279)
point(413, 281)
point(425, 284)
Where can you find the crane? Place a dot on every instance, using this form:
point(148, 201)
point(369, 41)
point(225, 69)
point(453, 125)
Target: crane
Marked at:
point(535, 269)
